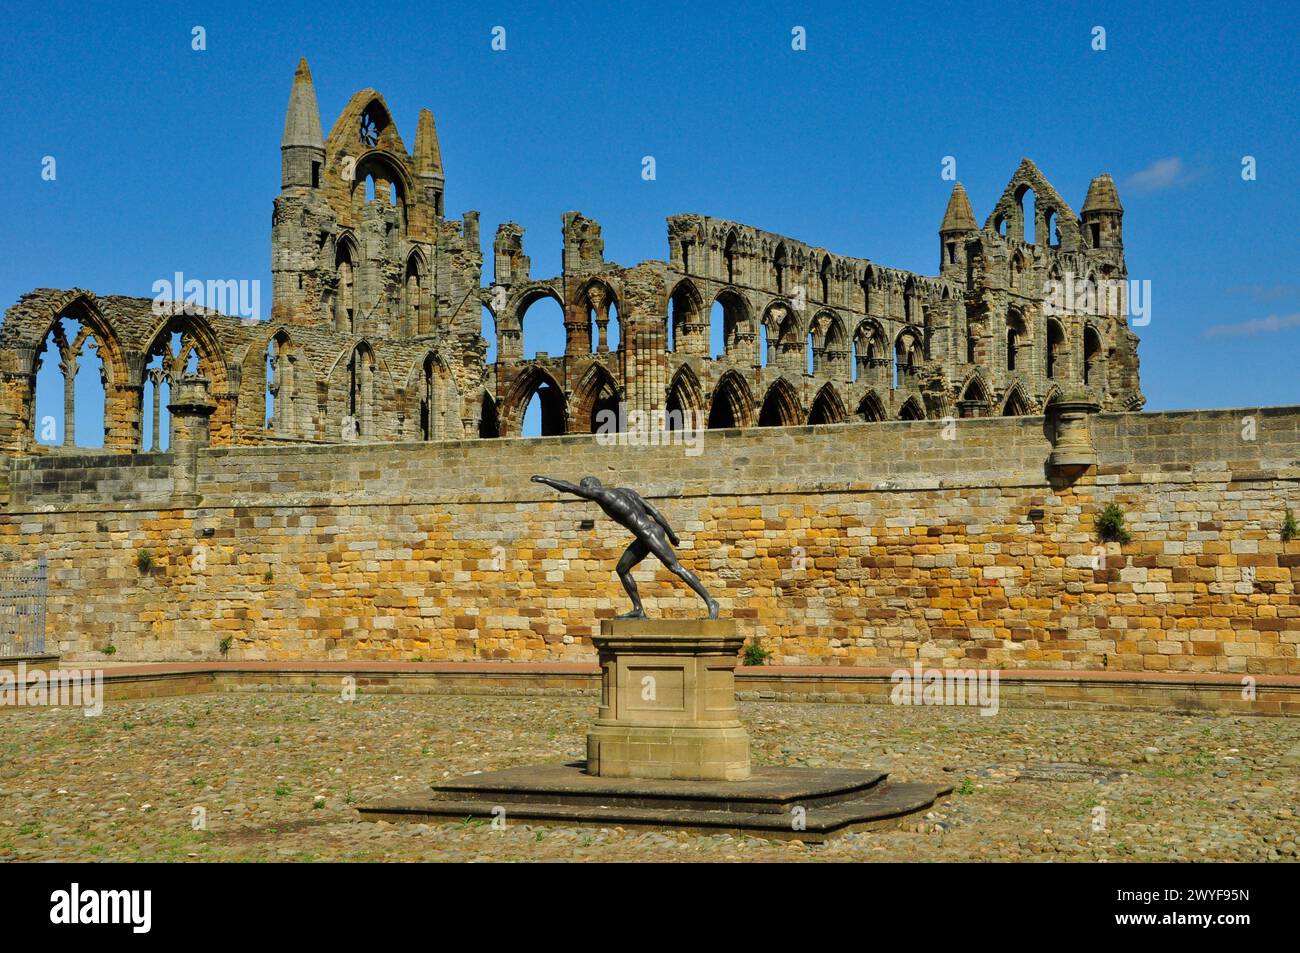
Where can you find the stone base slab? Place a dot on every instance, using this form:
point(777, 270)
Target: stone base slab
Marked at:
point(806, 804)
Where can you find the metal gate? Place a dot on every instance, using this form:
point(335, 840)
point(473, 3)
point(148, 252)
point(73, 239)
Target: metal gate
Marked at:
point(22, 610)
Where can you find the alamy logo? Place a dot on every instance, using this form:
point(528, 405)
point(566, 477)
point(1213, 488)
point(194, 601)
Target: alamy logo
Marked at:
point(74, 906)
point(655, 428)
point(241, 298)
point(977, 688)
point(67, 687)
point(1113, 297)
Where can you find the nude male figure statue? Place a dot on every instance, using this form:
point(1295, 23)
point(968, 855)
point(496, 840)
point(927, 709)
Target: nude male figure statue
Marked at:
point(653, 535)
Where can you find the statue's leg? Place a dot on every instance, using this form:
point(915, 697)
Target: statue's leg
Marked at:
point(669, 559)
point(631, 556)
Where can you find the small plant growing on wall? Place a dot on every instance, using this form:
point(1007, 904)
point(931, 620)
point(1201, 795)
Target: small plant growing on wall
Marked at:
point(109, 649)
point(1110, 524)
point(144, 560)
point(1289, 528)
point(755, 654)
point(268, 577)
point(226, 643)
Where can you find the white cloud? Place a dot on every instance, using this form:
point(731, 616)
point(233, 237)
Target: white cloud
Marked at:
point(1274, 322)
point(1161, 174)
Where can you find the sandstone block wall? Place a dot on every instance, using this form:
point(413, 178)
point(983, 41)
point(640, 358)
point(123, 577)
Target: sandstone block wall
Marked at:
point(857, 544)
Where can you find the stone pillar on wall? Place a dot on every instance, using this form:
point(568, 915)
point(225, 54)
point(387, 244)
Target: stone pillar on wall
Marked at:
point(191, 408)
point(17, 399)
point(1072, 448)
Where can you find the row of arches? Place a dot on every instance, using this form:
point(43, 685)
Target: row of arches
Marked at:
point(535, 405)
point(88, 391)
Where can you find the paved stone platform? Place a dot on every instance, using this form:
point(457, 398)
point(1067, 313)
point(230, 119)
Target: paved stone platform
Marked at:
point(808, 804)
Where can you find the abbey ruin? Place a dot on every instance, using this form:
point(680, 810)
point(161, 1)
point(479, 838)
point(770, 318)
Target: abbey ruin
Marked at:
point(895, 467)
point(377, 303)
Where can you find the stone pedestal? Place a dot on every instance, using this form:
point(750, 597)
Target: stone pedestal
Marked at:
point(1072, 447)
point(668, 702)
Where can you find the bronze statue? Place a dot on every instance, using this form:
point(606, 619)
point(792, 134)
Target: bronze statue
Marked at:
point(653, 534)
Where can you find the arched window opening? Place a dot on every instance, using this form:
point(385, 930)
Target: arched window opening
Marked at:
point(727, 321)
point(811, 355)
point(544, 416)
point(907, 356)
point(717, 330)
point(1028, 213)
point(360, 398)
point(281, 386)
point(779, 268)
point(1015, 338)
point(414, 299)
point(71, 388)
point(487, 326)
point(433, 382)
point(613, 335)
point(173, 356)
point(541, 322)
point(1055, 347)
point(729, 256)
point(826, 279)
point(604, 410)
point(1091, 354)
point(683, 316)
point(488, 424)
point(345, 294)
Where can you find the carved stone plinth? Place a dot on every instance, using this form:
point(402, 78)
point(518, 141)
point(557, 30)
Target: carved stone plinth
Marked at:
point(1072, 447)
point(668, 701)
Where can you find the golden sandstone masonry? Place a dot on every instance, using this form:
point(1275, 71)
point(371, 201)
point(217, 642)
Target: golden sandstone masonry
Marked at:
point(856, 544)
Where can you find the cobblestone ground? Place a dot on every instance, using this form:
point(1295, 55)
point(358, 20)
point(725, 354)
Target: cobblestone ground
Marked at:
point(277, 775)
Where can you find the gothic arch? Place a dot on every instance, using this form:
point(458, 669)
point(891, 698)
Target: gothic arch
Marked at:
point(685, 401)
point(871, 407)
point(737, 322)
point(414, 283)
point(780, 406)
point(827, 408)
point(433, 400)
point(120, 411)
point(685, 316)
point(1016, 403)
point(596, 396)
point(489, 425)
point(912, 409)
point(733, 403)
point(1093, 355)
point(554, 406)
point(1056, 350)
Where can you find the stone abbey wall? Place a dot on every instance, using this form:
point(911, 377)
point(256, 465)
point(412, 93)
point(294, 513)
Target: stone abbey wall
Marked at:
point(856, 544)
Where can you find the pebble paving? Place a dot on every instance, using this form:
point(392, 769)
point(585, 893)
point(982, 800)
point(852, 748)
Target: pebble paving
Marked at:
point(251, 776)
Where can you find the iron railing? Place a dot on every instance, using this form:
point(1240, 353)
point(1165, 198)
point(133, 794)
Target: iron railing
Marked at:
point(22, 610)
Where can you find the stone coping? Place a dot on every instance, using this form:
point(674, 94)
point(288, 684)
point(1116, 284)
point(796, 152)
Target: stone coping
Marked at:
point(119, 670)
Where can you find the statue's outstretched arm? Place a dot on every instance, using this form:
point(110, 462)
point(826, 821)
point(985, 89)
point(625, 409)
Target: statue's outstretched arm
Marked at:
point(562, 485)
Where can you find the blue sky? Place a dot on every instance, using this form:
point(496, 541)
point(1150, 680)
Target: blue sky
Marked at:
point(168, 158)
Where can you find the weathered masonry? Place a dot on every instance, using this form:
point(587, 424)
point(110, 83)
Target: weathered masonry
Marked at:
point(378, 303)
point(854, 544)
